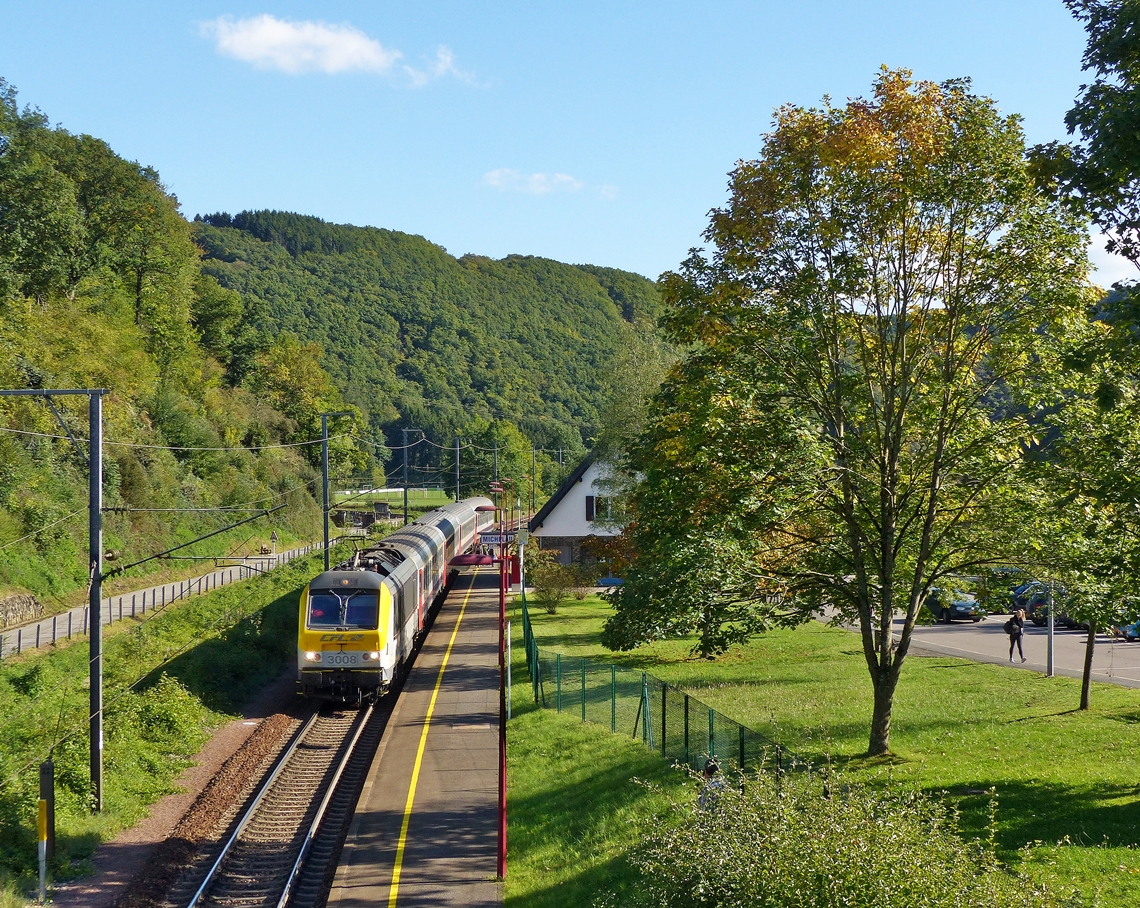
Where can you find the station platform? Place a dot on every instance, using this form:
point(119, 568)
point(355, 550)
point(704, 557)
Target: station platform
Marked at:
point(425, 829)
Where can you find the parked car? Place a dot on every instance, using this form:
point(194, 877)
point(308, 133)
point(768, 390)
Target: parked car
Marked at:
point(1129, 632)
point(995, 588)
point(1034, 596)
point(953, 605)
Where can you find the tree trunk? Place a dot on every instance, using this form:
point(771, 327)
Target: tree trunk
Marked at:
point(881, 718)
point(138, 295)
point(1086, 678)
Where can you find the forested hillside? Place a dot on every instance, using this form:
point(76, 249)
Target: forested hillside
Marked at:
point(222, 340)
point(101, 286)
point(417, 338)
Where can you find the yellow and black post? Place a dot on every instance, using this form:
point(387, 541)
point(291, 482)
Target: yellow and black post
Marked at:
point(47, 793)
point(42, 849)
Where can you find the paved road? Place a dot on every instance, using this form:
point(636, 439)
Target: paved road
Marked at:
point(1114, 661)
point(138, 603)
point(425, 830)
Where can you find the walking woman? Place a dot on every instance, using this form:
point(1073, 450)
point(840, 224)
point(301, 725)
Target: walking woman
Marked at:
point(1015, 627)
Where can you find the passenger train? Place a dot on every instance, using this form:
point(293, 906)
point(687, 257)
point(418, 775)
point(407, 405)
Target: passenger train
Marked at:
point(360, 622)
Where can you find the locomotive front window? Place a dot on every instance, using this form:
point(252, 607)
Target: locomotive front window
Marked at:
point(361, 610)
point(357, 609)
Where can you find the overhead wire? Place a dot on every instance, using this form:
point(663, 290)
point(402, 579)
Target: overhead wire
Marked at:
point(130, 444)
point(46, 527)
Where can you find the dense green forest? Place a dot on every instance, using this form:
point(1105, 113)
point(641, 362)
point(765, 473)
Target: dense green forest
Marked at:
point(414, 337)
point(223, 339)
point(101, 286)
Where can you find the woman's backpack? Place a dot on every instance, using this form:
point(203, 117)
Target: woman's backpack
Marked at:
point(1009, 627)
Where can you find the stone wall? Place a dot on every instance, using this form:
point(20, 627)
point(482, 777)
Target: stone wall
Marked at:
point(19, 608)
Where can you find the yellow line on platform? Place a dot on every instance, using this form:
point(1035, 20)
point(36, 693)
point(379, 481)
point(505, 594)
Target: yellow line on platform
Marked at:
point(396, 867)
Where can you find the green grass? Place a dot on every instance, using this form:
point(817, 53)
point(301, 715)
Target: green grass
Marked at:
point(191, 667)
point(1060, 775)
point(418, 499)
point(575, 793)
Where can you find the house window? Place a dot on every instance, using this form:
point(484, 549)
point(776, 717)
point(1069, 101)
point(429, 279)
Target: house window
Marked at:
point(589, 508)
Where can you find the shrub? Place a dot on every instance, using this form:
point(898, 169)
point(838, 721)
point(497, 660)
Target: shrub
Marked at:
point(803, 843)
point(552, 584)
point(584, 577)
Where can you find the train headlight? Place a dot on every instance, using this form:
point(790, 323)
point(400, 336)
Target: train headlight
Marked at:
point(375, 656)
point(312, 657)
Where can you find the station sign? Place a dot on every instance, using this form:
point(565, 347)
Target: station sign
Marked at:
point(496, 538)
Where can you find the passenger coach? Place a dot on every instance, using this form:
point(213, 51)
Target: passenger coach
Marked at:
point(360, 622)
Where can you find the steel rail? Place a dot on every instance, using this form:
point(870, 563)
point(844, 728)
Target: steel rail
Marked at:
point(261, 792)
point(295, 874)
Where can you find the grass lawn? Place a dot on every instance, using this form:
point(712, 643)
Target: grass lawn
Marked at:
point(1065, 779)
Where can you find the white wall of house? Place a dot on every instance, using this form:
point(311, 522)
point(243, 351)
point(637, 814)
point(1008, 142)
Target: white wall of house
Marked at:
point(569, 516)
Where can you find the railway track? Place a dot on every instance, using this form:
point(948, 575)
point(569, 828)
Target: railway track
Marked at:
point(282, 851)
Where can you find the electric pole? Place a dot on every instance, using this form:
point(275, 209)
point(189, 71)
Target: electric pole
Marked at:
point(95, 566)
point(406, 431)
point(325, 472)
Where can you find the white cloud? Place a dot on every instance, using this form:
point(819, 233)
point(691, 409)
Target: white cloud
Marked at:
point(507, 180)
point(443, 65)
point(296, 47)
point(1109, 268)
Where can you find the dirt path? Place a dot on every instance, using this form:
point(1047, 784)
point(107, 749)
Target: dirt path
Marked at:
point(118, 862)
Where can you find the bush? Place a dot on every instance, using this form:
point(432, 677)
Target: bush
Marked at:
point(552, 584)
point(803, 843)
point(584, 577)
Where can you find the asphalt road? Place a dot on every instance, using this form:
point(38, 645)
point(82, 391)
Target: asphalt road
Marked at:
point(1114, 661)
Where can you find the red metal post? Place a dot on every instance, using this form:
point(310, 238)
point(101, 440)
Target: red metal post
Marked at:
point(502, 864)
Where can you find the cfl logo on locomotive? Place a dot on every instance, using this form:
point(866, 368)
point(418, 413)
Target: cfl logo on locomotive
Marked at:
point(342, 638)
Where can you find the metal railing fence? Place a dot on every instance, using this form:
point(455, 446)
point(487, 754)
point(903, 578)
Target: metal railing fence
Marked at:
point(668, 720)
point(134, 605)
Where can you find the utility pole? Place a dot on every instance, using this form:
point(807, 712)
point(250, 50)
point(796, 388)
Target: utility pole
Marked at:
point(406, 431)
point(496, 473)
point(325, 472)
point(95, 565)
point(95, 554)
point(457, 468)
point(405, 477)
point(533, 473)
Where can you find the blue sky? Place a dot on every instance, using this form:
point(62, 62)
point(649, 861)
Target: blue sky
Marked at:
point(589, 131)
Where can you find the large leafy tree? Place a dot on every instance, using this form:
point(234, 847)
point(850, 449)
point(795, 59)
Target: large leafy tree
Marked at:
point(881, 283)
point(1101, 170)
point(1087, 468)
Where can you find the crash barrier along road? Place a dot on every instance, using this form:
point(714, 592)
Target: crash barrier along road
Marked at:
point(139, 603)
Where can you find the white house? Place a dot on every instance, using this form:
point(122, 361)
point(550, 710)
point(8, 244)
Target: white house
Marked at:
point(573, 513)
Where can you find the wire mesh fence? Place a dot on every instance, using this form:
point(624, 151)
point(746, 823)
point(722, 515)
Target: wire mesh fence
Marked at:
point(668, 720)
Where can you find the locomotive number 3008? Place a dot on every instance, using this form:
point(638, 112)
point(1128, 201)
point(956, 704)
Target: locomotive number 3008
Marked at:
point(341, 659)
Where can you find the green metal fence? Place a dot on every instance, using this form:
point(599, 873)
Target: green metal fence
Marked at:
point(675, 724)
